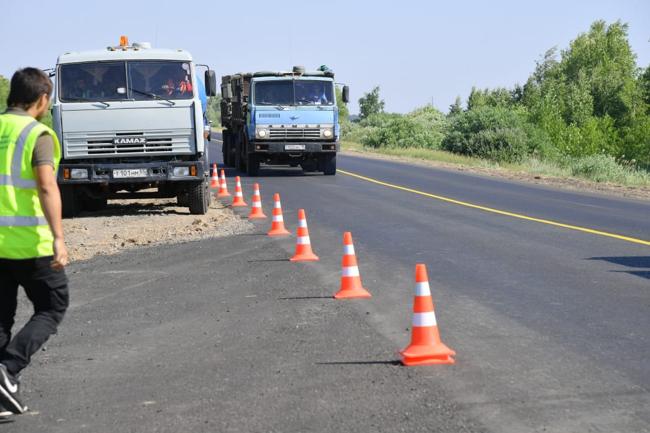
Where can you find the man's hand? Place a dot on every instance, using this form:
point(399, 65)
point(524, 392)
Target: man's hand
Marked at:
point(60, 255)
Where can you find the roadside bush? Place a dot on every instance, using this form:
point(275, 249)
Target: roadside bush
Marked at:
point(496, 133)
point(422, 128)
point(605, 168)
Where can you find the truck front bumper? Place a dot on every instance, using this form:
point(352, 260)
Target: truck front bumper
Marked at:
point(294, 147)
point(150, 172)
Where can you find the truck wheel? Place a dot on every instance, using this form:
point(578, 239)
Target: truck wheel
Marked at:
point(198, 197)
point(70, 201)
point(253, 165)
point(328, 163)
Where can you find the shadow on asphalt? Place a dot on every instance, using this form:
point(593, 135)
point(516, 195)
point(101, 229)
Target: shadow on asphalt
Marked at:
point(360, 363)
point(634, 262)
point(114, 209)
point(295, 298)
point(271, 171)
point(268, 260)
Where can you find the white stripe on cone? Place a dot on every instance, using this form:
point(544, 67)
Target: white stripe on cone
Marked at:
point(303, 240)
point(277, 205)
point(424, 319)
point(278, 219)
point(348, 250)
point(257, 204)
point(302, 223)
point(350, 271)
point(422, 289)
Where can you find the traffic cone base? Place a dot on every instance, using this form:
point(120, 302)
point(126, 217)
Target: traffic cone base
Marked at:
point(353, 293)
point(278, 232)
point(305, 257)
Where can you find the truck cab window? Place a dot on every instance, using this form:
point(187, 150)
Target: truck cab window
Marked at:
point(87, 82)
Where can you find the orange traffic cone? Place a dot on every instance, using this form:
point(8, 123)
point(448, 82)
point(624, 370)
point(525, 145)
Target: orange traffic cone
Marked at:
point(303, 244)
point(214, 182)
point(256, 209)
point(223, 186)
point(238, 200)
point(277, 226)
point(350, 280)
point(426, 347)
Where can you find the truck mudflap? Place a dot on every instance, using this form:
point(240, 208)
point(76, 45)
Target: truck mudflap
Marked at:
point(141, 172)
point(294, 147)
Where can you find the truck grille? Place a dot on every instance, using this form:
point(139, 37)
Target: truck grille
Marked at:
point(296, 133)
point(79, 145)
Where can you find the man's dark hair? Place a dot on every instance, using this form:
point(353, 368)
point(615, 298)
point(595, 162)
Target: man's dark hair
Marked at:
point(27, 85)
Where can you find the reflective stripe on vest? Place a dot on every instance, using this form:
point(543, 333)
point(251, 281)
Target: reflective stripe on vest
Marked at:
point(22, 221)
point(14, 178)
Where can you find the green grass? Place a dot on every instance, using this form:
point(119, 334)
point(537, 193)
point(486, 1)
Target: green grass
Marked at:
point(598, 168)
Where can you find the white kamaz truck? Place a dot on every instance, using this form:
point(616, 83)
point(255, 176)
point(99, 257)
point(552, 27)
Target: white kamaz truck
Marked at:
point(131, 120)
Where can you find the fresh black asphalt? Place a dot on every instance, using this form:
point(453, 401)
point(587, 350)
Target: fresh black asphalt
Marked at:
point(550, 325)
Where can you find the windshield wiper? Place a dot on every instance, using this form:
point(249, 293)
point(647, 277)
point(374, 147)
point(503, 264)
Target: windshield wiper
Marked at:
point(75, 99)
point(153, 96)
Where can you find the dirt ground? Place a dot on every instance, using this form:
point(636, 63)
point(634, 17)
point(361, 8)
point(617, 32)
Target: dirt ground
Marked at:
point(635, 192)
point(127, 224)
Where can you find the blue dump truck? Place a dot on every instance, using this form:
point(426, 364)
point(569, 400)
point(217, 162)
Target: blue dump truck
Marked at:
point(131, 120)
point(281, 118)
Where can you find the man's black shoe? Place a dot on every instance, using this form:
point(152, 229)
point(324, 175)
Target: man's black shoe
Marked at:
point(9, 392)
point(4, 412)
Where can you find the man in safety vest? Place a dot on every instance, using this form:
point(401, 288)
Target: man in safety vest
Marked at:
point(32, 249)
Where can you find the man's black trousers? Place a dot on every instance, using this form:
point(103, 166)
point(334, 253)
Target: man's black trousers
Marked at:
point(47, 289)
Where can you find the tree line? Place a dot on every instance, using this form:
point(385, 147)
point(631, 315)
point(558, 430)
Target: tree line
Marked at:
point(589, 99)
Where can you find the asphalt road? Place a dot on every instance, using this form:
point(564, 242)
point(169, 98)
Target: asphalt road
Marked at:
point(550, 324)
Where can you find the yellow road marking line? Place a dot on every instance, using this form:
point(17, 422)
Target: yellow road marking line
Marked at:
point(499, 212)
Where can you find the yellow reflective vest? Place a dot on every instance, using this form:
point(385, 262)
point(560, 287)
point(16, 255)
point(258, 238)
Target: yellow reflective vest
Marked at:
point(24, 231)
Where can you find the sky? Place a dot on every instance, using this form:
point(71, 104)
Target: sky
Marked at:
point(417, 52)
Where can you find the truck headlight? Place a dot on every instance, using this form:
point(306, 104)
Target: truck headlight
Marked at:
point(262, 133)
point(79, 173)
point(181, 171)
point(327, 133)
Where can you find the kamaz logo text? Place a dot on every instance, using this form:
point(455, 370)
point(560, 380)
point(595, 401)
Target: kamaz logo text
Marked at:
point(130, 140)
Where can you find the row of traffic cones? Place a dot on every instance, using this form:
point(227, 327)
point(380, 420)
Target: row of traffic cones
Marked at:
point(425, 348)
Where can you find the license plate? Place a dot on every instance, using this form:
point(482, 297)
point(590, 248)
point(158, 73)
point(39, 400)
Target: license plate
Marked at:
point(129, 172)
point(294, 147)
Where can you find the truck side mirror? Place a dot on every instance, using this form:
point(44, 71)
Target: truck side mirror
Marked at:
point(210, 83)
point(346, 94)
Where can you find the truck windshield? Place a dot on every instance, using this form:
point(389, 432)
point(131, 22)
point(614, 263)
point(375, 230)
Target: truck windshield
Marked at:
point(107, 81)
point(294, 92)
point(166, 80)
point(82, 82)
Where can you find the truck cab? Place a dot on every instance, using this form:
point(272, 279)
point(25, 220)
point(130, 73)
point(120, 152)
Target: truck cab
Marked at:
point(281, 118)
point(131, 125)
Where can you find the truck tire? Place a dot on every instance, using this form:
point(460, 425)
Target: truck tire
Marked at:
point(199, 198)
point(182, 199)
point(253, 165)
point(328, 163)
point(225, 148)
point(70, 201)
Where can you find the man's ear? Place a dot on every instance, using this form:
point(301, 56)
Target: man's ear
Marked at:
point(43, 104)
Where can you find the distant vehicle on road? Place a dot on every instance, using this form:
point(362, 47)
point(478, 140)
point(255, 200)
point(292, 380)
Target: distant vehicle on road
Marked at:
point(281, 118)
point(131, 118)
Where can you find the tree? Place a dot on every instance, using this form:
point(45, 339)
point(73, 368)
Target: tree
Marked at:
point(644, 84)
point(344, 113)
point(214, 109)
point(370, 103)
point(4, 93)
point(456, 107)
